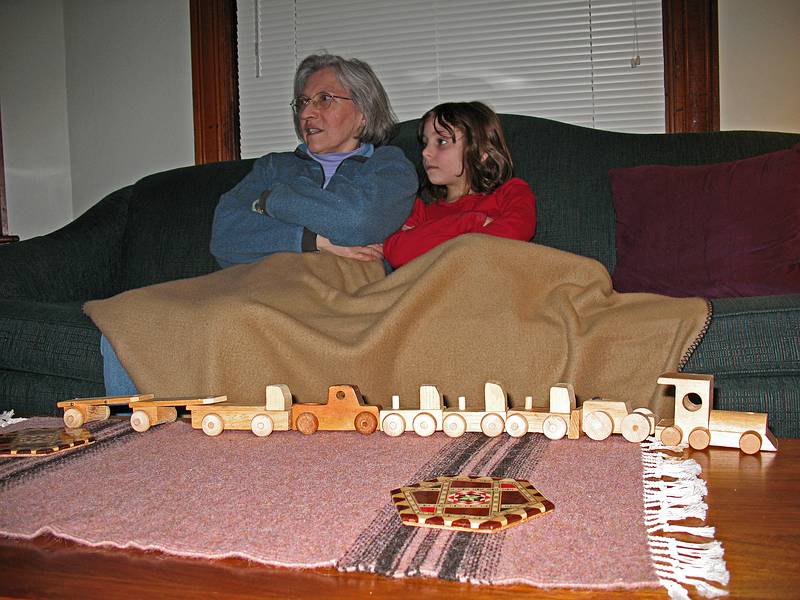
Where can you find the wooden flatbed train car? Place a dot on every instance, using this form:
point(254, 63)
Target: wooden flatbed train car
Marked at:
point(261, 419)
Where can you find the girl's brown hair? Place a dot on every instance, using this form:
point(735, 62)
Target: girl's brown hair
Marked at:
point(486, 161)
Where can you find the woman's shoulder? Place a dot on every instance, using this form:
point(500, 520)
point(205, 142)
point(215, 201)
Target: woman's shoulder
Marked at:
point(271, 157)
point(389, 152)
point(281, 165)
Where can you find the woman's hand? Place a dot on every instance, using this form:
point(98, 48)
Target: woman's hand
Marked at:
point(365, 253)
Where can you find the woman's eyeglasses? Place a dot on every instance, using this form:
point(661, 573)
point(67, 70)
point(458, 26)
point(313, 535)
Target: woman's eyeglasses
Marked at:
point(321, 100)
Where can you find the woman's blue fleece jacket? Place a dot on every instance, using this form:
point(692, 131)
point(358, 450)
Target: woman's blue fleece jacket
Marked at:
point(281, 205)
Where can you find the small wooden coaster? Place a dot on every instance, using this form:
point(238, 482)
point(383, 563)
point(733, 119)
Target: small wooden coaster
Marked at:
point(41, 441)
point(468, 503)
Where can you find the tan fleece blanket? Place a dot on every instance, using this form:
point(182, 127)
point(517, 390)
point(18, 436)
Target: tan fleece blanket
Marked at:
point(475, 309)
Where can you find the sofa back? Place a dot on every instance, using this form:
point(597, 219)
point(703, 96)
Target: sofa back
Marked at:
point(170, 213)
point(168, 231)
point(567, 168)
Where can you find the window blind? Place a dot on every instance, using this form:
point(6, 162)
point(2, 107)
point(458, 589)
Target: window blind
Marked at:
point(568, 60)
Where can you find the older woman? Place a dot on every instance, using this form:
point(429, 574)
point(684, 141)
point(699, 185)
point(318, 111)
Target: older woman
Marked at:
point(341, 191)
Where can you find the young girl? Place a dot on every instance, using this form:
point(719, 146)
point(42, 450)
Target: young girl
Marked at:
point(467, 182)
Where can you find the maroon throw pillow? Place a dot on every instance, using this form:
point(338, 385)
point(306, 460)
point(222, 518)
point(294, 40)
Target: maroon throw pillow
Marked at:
point(717, 231)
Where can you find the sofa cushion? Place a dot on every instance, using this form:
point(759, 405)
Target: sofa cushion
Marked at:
point(718, 230)
point(31, 394)
point(51, 339)
point(752, 348)
point(751, 336)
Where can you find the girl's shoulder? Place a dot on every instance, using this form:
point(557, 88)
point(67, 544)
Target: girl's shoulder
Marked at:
point(514, 183)
point(514, 191)
point(514, 187)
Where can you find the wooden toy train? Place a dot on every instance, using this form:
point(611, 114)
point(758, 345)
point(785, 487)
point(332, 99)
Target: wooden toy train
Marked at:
point(694, 421)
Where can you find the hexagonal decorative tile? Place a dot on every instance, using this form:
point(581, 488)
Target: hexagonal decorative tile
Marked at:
point(469, 503)
point(42, 440)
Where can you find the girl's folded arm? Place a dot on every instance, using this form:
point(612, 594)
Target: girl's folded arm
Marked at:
point(405, 245)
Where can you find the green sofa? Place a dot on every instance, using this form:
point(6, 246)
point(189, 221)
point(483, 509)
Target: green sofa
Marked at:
point(158, 229)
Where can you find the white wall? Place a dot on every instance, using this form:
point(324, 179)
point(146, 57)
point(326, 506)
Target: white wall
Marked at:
point(95, 94)
point(33, 100)
point(759, 64)
point(129, 92)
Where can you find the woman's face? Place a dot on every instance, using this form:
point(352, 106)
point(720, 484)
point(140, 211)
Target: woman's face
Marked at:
point(332, 129)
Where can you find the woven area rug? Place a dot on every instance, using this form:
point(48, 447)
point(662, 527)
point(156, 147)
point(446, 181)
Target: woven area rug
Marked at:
point(323, 500)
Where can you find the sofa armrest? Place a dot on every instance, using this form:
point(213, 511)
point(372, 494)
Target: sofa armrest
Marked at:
point(80, 261)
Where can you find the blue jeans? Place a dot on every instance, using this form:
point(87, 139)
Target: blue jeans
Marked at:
point(115, 377)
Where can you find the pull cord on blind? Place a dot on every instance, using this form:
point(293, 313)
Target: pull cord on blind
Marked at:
point(595, 63)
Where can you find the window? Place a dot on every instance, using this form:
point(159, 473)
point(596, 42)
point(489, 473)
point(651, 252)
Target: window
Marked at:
point(569, 60)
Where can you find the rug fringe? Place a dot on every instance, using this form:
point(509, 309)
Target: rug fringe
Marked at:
point(679, 496)
point(7, 418)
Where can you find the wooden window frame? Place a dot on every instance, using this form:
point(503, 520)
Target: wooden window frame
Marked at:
point(5, 236)
point(691, 65)
point(215, 80)
point(691, 73)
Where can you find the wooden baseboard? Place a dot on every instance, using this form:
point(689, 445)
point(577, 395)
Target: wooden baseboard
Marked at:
point(7, 239)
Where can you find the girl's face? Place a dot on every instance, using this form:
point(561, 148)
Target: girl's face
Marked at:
point(335, 128)
point(443, 159)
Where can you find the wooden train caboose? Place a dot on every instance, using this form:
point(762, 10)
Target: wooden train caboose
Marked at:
point(697, 424)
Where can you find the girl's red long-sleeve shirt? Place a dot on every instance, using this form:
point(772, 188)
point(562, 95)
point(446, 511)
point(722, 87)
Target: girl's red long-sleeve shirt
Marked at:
point(511, 207)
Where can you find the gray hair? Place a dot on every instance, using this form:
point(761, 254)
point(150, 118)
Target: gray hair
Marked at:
point(364, 87)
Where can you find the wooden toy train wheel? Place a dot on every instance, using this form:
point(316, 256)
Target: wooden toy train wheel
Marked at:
point(699, 438)
point(635, 427)
point(424, 424)
point(454, 425)
point(393, 425)
point(598, 425)
point(306, 423)
point(492, 425)
point(554, 427)
point(750, 442)
point(212, 424)
point(140, 421)
point(671, 436)
point(517, 425)
point(73, 418)
point(365, 423)
point(262, 425)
